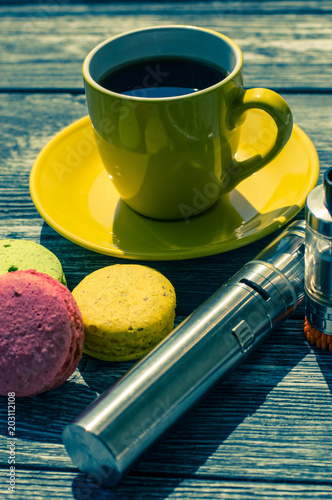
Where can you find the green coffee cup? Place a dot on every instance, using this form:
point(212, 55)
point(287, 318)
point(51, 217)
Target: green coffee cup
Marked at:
point(172, 156)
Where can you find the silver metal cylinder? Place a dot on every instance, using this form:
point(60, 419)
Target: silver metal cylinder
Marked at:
point(115, 430)
point(318, 256)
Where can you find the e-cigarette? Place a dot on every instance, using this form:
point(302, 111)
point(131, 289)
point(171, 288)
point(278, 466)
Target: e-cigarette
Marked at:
point(108, 438)
point(318, 256)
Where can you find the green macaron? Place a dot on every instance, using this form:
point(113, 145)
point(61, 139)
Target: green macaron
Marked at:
point(20, 255)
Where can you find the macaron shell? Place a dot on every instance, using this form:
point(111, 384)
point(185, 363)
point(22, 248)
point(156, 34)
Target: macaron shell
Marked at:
point(126, 349)
point(20, 255)
point(40, 336)
point(77, 340)
point(127, 309)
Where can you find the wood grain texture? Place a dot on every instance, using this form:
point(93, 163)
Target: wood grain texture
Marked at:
point(274, 410)
point(266, 431)
point(286, 45)
point(239, 5)
point(29, 121)
point(70, 485)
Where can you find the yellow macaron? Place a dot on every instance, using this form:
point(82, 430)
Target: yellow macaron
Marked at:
point(127, 309)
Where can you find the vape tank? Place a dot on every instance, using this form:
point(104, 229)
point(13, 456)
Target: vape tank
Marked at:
point(318, 256)
point(108, 438)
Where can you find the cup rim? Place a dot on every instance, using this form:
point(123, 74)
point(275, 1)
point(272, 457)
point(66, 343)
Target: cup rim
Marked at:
point(88, 78)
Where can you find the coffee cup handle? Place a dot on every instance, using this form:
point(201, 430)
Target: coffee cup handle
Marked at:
point(278, 109)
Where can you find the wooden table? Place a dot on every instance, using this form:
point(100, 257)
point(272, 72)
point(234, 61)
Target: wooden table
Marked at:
point(265, 432)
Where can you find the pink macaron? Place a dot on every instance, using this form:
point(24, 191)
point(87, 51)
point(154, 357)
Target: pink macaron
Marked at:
point(41, 333)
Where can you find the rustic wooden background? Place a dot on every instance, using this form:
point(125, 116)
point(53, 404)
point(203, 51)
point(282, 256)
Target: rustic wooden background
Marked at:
point(266, 432)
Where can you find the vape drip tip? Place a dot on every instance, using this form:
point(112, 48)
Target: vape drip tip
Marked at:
point(318, 265)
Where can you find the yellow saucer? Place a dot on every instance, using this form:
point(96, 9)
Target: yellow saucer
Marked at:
point(72, 192)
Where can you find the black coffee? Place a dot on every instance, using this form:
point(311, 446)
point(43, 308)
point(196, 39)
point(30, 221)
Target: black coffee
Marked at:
point(162, 77)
